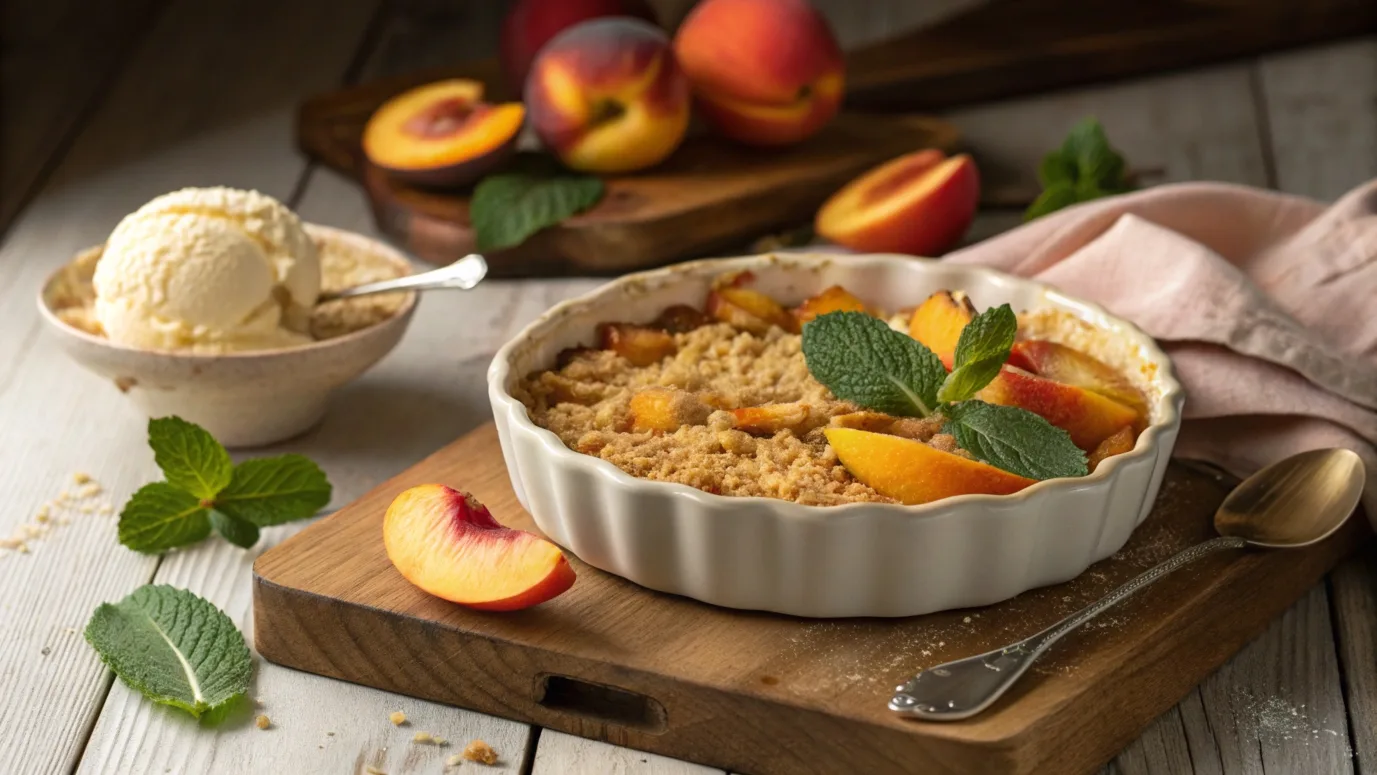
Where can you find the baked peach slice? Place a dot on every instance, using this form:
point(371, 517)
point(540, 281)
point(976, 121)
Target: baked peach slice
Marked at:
point(833, 299)
point(442, 134)
point(770, 419)
point(912, 472)
point(920, 204)
point(641, 345)
point(1073, 367)
point(1117, 444)
point(937, 323)
point(666, 410)
point(680, 319)
point(750, 310)
point(448, 544)
point(1089, 417)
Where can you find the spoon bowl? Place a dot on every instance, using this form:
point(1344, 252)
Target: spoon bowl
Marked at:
point(1294, 502)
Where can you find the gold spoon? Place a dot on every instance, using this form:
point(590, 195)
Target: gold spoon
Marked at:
point(1294, 502)
point(463, 274)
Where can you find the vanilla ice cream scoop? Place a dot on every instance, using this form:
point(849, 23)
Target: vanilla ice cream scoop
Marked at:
point(208, 270)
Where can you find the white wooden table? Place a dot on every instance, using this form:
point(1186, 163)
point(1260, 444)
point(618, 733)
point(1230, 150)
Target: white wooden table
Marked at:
point(117, 106)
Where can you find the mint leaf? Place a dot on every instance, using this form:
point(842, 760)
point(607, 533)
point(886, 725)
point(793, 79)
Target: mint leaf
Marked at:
point(1054, 198)
point(510, 206)
point(1015, 440)
point(980, 352)
point(862, 360)
point(270, 491)
point(1086, 167)
point(191, 459)
point(236, 531)
point(1056, 167)
point(159, 517)
point(173, 647)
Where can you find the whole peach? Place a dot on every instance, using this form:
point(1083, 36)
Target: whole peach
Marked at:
point(764, 72)
point(607, 96)
point(530, 24)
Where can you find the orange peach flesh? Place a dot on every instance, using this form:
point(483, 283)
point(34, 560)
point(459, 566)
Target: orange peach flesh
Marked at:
point(449, 545)
point(912, 472)
point(937, 323)
point(607, 96)
point(919, 203)
point(437, 125)
point(1089, 417)
point(1117, 444)
point(1070, 366)
point(833, 299)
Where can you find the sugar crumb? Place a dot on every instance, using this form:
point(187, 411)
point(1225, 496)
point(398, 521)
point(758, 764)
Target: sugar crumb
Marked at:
point(454, 760)
point(81, 477)
point(427, 738)
point(397, 718)
point(262, 721)
point(371, 770)
point(481, 752)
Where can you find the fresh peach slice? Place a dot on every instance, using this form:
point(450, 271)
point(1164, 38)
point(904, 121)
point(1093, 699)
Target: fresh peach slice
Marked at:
point(1089, 417)
point(749, 310)
point(448, 544)
point(770, 419)
point(912, 472)
point(834, 299)
point(1073, 367)
point(442, 134)
point(642, 345)
point(1118, 443)
point(938, 323)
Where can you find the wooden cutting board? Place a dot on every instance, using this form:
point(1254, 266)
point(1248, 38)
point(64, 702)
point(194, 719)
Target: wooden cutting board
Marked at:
point(710, 194)
point(762, 693)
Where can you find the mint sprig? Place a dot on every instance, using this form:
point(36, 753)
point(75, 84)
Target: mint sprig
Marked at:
point(1085, 167)
point(204, 490)
point(862, 360)
point(174, 648)
point(508, 207)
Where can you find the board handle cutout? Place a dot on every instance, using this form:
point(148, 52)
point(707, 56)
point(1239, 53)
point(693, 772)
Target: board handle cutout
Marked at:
point(604, 703)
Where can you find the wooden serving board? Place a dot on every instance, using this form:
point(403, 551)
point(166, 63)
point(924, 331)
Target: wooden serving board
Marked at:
point(763, 693)
point(710, 194)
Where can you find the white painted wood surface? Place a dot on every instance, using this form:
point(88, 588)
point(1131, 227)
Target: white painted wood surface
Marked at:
point(1277, 707)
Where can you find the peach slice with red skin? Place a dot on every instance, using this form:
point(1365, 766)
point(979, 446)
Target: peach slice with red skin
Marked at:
point(607, 96)
point(1072, 367)
point(912, 472)
point(641, 345)
point(937, 323)
point(1087, 416)
point(833, 299)
point(442, 134)
point(448, 544)
point(920, 203)
point(530, 24)
point(764, 72)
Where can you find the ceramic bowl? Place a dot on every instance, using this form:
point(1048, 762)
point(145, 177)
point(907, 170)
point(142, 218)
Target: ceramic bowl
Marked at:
point(860, 559)
point(244, 399)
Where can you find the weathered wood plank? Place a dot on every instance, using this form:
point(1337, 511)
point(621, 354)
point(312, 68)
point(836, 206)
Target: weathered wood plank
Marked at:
point(56, 57)
point(1353, 596)
point(1321, 107)
point(561, 754)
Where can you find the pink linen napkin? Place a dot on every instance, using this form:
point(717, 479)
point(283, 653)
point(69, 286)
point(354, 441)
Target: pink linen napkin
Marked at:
point(1266, 303)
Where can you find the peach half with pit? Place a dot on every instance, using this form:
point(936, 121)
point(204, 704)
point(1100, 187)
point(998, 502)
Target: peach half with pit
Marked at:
point(448, 544)
point(912, 472)
point(920, 204)
point(442, 134)
point(764, 72)
point(607, 96)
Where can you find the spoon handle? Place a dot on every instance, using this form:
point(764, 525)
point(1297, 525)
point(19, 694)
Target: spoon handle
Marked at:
point(961, 689)
point(463, 274)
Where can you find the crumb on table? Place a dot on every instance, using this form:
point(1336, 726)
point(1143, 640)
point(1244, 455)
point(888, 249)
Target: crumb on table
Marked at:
point(481, 752)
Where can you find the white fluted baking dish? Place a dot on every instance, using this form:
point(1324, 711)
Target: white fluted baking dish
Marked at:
point(860, 559)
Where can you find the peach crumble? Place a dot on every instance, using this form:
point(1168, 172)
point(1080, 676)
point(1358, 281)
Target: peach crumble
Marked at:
point(733, 401)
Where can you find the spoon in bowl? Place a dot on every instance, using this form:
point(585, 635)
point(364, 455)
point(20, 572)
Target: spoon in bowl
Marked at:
point(463, 274)
point(1292, 503)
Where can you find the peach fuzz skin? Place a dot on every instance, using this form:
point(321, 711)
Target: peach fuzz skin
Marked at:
point(912, 472)
point(1089, 417)
point(764, 72)
point(607, 96)
point(920, 204)
point(442, 134)
point(530, 24)
point(448, 544)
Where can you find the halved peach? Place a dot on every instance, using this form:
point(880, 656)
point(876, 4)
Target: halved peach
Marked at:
point(833, 299)
point(442, 134)
point(448, 544)
point(1118, 443)
point(1073, 367)
point(920, 203)
point(912, 472)
point(770, 419)
point(642, 345)
point(938, 322)
point(1089, 417)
